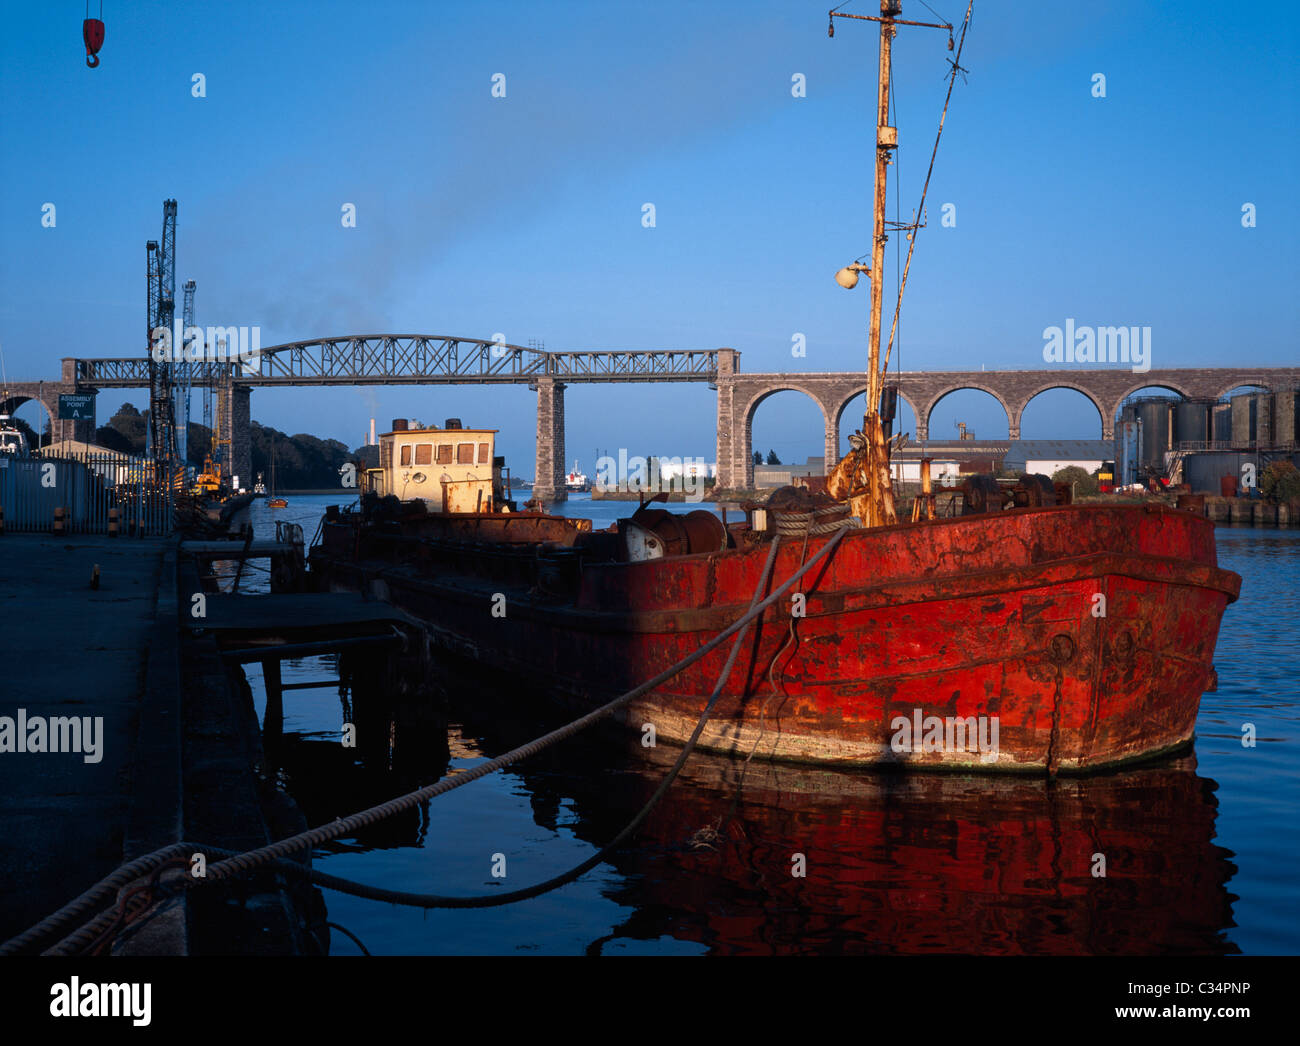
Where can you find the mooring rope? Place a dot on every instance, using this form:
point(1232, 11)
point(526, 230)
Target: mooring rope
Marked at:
point(825, 520)
point(93, 898)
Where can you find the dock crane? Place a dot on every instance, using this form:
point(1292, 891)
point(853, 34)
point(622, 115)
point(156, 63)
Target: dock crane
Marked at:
point(161, 308)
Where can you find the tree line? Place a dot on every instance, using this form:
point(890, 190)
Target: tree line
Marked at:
point(302, 461)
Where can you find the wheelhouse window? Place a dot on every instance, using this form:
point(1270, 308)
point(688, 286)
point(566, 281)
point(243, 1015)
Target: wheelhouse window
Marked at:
point(424, 454)
point(464, 453)
point(406, 453)
point(483, 458)
point(444, 453)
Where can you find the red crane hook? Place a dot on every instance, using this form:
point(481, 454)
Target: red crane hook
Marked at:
point(92, 31)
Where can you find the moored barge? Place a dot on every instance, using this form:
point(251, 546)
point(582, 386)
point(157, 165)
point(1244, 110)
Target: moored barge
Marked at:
point(1058, 637)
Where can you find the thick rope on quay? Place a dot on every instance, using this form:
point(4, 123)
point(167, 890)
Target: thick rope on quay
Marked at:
point(93, 898)
point(70, 915)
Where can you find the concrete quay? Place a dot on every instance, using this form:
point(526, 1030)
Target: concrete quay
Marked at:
point(69, 650)
point(171, 748)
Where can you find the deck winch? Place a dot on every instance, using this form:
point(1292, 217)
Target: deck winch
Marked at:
point(654, 533)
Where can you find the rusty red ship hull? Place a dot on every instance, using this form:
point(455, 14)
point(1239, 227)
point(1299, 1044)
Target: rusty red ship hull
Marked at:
point(1067, 638)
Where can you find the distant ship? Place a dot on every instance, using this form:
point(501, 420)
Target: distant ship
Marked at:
point(259, 488)
point(576, 482)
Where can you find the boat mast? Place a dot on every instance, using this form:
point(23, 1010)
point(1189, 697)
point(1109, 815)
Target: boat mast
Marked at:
point(886, 142)
point(880, 509)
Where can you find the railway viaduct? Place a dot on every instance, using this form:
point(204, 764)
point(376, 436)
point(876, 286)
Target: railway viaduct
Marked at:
point(739, 396)
point(391, 359)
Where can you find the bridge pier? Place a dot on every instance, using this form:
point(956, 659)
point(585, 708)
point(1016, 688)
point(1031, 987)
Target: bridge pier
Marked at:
point(234, 417)
point(735, 442)
point(832, 440)
point(735, 438)
point(548, 482)
point(83, 430)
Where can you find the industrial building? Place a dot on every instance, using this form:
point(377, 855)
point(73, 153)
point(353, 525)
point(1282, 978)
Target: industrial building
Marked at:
point(1201, 441)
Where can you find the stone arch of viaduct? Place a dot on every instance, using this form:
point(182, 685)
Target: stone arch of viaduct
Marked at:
point(47, 393)
point(739, 396)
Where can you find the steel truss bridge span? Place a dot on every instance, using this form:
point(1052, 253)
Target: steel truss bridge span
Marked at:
point(412, 359)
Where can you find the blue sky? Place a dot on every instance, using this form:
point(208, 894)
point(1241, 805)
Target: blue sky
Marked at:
point(522, 215)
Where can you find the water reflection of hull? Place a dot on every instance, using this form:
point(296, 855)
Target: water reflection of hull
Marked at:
point(895, 863)
point(916, 863)
point(911, 863)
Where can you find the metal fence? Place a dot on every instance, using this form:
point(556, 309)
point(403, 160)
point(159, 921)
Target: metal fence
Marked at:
point(87, 488)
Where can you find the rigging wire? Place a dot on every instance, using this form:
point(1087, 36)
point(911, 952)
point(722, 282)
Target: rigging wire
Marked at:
point(935, 13)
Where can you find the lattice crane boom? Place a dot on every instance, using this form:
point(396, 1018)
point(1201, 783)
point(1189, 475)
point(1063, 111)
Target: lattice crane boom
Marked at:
point(162, 311)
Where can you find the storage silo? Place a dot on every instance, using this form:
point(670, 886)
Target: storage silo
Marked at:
point(1192, 421)
point(1244, 411)
point(1221, 423)
point(1155, 415)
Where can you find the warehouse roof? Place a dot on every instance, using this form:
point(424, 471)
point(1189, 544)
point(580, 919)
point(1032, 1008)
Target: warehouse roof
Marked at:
point(1023, 450)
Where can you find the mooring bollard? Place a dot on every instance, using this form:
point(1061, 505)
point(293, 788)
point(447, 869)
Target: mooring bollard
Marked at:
point(112, 522)
point(58, 520)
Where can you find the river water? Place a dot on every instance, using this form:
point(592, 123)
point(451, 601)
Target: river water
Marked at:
point(1200, 851)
